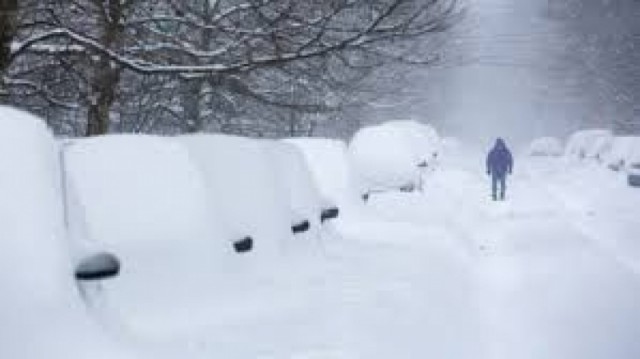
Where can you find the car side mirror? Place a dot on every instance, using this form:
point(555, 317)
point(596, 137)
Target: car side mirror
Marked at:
point(98, 266)
point(329, 213)
point(244, 245)
point(301, 227)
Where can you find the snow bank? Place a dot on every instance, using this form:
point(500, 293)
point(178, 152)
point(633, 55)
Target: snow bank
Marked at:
point(545, 146)
point(43, 315)
point(145, 200)
point(624, 151)
point(296, 183)
point(331, 168)
point(592, 144)
point(241, 181)
point(388, 156)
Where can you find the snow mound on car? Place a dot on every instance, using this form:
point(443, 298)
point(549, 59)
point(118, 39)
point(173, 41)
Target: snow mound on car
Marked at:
point(625, 150)
point(43, 315)
point(331, 168)
point(389, 156)
point(242, 182)
point(145, 200)
point(589, 144)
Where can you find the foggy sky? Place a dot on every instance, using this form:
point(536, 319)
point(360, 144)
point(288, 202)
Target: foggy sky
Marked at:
point(528, 68)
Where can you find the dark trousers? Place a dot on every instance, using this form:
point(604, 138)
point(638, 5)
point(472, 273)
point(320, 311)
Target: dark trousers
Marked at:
point(498, 180)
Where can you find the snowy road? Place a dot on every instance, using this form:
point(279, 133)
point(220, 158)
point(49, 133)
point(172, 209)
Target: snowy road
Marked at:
point(549, 273)
point(554, 267)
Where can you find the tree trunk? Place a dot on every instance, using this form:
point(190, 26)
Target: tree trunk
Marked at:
point(106, 76)
point(8, 27)
point(103, 95)
point(192, 101)
point(292, 123)
point(191, 105)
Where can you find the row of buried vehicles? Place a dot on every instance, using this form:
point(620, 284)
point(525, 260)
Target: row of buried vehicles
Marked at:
point(139, 220)
point(618, 153)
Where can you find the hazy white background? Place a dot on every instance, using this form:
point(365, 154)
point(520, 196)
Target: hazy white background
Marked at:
point(528, 68)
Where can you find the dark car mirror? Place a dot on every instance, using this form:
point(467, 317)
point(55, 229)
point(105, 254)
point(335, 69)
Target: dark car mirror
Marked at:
point(244, 245)
point(301, 227)
point(329, 213)
point(99, 266)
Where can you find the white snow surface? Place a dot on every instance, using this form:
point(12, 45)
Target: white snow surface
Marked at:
point(545, 146)
point(387, 156)
point(555, 267)
point(450, 145)
point(43, 315)
point(552, 272)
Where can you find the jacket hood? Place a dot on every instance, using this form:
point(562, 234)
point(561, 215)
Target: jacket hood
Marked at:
point(500, 143)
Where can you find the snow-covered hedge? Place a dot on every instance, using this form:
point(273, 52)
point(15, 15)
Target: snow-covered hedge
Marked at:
point(390, 156)
point(589, 144)
point(43, 315)
point(545, 146)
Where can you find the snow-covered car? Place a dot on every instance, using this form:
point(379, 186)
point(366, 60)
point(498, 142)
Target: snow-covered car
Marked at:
point(144, 199)
point(304, 195)
point(331, 169)
point(394, 155)
point(43, 312)
point(624, 151)
point(589, 144)
point(297, 184)
point(242, 182)
point(545, 147)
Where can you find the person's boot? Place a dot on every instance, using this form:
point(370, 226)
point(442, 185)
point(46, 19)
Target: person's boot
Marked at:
point(502, 196)
point(493, 196)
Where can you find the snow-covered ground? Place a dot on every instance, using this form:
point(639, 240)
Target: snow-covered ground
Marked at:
point(550, 273)
point(554, 268)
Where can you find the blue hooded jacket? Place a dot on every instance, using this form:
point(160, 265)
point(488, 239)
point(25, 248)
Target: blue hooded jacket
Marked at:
point(499, 160)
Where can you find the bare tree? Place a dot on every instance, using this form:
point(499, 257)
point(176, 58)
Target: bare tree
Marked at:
point(210, 64)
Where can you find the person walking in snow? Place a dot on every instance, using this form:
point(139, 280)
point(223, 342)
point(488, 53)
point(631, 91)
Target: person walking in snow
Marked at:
point(499, 164)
